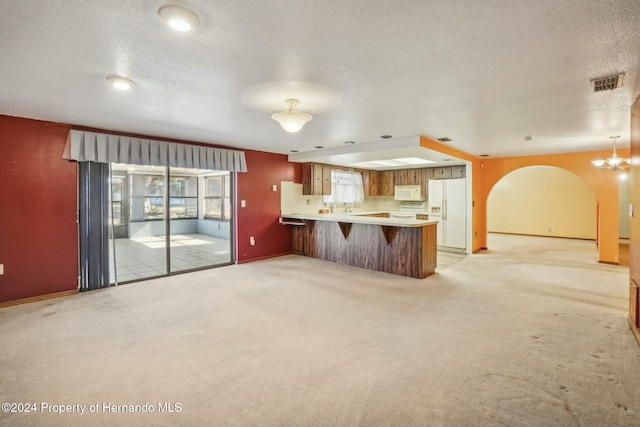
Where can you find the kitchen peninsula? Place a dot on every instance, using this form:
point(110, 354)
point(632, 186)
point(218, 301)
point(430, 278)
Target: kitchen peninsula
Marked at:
point(369, 240)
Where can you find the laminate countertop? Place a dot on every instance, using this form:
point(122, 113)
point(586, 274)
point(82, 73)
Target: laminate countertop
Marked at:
point(356, 218)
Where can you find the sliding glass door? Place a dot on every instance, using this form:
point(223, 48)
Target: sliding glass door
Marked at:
point(160, 223)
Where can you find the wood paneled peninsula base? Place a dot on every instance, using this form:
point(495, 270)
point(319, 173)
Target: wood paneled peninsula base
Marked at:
point(399, 246)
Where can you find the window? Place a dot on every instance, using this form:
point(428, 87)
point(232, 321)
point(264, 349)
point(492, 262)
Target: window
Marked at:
point(183, 197)
point(346, 187)
point(217, 200)
point(153, 197)
point(115, 203)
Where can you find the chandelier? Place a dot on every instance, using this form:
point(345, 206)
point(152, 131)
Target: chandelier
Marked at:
point(292, 120)
point(614, 162)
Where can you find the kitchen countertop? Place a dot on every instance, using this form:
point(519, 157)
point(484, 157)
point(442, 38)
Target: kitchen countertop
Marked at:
point(361, 218)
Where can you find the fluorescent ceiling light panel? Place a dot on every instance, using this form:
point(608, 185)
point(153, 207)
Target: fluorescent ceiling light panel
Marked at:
point(414, 160)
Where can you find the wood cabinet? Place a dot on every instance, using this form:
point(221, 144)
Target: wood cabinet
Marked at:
point(442, 173)
point(316, 179)
point(421, 180)
point(458, 171)
point(404, 177)
point(386, 183)
point(326, 180)
point(374, 182)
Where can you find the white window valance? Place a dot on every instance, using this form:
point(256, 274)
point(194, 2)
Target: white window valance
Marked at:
point(86, 146)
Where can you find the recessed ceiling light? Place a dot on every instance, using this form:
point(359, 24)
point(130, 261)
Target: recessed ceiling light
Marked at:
point(120, 83)
point(446, 160)
point(293, 151)
point(485, 155)
point(349, 142)
point(527, 138)
point(385, 136)
point(445, 139)
point(318, 146)
point(179, 18)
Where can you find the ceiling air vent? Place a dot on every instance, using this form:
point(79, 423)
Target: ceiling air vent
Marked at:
point(607, 83)
point(445, 139)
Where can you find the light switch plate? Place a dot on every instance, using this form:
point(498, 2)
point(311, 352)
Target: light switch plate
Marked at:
point(274, 188)
point(1, 269)
point(243, 203)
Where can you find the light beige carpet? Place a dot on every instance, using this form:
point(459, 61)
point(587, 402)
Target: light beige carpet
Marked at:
point(532, 332)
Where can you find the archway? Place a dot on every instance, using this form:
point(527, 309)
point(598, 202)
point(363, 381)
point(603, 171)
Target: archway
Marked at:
point(542, 201)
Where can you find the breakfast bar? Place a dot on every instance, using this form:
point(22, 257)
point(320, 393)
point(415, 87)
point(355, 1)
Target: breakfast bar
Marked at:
point(394, 245)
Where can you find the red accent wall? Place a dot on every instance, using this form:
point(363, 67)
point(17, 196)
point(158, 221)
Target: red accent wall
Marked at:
point(260, 216)
point(38, 232)
point(38, 204)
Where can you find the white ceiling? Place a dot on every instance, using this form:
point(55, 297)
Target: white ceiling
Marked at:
point(483, 73)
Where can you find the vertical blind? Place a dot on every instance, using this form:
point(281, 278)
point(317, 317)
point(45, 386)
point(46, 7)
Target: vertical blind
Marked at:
point(97, 147)
point(93, 228)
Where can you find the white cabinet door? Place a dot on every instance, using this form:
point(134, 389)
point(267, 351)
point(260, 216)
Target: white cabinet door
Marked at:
point(455, 213)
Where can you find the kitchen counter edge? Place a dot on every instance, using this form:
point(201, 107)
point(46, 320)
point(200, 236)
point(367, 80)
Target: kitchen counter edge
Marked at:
point(359, 218)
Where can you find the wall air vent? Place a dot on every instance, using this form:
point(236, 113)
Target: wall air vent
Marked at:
point(445, 139)
point(607, 83)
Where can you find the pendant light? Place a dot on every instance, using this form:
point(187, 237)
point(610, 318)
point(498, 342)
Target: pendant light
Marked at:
point(614, 162)
point(292, 120)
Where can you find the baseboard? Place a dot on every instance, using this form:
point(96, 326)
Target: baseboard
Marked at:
point(244, 261)
point(634, 329)
point(38, 298)
point(540, 235)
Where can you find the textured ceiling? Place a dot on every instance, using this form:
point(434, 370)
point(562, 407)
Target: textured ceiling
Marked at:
point(483, 73)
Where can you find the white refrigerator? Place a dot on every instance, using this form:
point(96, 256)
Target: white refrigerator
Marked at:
point(448, 205)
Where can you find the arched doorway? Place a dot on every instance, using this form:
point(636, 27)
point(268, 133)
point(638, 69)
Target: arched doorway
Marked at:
point(543, 201)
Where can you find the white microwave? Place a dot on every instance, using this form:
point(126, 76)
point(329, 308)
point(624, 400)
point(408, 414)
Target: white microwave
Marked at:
point(408, 192)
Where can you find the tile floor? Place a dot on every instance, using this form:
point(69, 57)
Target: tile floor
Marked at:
point(144, 257)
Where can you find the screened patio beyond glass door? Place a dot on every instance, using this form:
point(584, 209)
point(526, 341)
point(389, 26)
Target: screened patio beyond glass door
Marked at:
point(169, 227)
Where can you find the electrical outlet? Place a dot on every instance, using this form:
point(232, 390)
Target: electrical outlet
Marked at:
point(252, 241)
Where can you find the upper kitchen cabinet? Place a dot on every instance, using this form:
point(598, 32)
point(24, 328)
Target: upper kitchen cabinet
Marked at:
point(404, 177)
point(458, 171)
point(442, 173)
point(385, 183)
point(316, 179)
point(370, 183)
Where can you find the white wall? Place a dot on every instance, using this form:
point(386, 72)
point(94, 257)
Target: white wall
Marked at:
point(542, 201)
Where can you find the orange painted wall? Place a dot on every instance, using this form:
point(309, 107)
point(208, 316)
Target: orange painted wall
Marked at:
point(486, 172)
point(603, 182)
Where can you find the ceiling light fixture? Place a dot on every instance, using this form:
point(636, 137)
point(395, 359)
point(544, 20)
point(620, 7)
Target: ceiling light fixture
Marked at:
point(120, 83)
point(614, 162)
point(179, 18)
point(292, 120)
